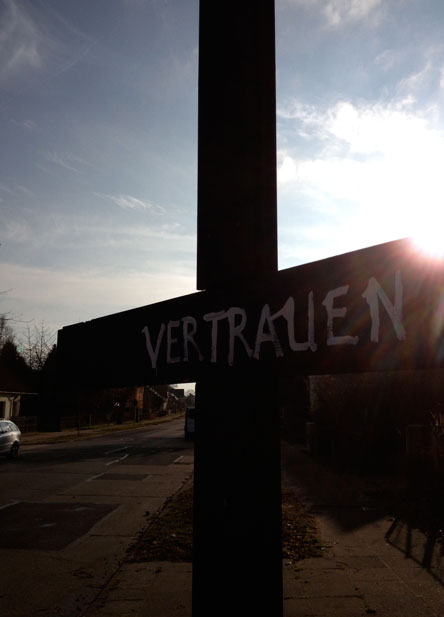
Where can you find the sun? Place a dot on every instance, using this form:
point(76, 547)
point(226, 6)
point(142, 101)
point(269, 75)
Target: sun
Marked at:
point(430, 239)
point(426, 227)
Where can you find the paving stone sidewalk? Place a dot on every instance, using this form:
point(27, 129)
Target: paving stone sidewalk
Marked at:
point(363, 574)
point(374, 563)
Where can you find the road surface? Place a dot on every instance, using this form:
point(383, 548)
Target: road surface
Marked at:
point(69, 511)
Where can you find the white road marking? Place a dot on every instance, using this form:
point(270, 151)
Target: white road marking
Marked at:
point(118, 459)
point(8, 505)
point(117, 450)
point(94, 477)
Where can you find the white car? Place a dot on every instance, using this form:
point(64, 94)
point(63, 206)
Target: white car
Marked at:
point(9, 438)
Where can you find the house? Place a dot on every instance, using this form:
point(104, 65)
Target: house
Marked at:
point(12, 388)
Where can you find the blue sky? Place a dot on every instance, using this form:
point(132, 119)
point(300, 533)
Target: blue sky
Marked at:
point(98, 156)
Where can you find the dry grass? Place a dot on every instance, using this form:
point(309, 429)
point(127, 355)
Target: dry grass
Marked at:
point(168, 537)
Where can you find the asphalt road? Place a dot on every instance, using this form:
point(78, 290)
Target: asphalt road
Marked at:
point(69, 511)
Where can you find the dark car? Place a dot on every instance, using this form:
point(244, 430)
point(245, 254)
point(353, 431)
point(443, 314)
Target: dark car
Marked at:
point(9, 438)
point(190, 415)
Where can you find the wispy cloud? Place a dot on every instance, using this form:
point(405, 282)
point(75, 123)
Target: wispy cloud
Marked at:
point(22, 42)
point(415, 81)
point(388, 59)
point(61, 232)
point(36, 40)
point(65, 296)
point(66, 160)
point(27, 124)
point(5, 188)
point(18, 232)
point(337, 13)
point(23, 190)
point(18, 189)
point(128, 202)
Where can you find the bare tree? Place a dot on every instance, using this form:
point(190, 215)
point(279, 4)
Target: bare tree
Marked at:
point(6, 332)
point(36, 345)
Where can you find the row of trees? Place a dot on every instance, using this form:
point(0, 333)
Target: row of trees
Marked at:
point(32, 349)
point(28, 364)
point(30, 359)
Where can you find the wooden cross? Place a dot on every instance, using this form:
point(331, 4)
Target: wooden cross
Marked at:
point(376, 309)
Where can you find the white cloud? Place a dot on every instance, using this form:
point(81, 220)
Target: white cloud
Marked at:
point(366, 128)
point(340, 12)
point(377, 128)
point(375, 174)
point(295, 110)
point(287, 170)
point(128, 202)
point(441, 81)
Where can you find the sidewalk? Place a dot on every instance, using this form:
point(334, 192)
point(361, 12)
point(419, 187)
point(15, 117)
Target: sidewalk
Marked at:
point(361, 575)
point(372, 563)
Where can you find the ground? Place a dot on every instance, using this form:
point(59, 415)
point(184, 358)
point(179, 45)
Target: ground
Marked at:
point(168, 537)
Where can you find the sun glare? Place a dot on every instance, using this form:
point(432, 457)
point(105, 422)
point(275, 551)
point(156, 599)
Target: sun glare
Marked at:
point(430, 239)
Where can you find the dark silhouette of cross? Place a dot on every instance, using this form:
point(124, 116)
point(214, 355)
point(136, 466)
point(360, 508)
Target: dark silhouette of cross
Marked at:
point(252, 326)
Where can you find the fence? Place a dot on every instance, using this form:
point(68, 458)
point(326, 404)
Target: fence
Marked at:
point(115, 416)
point(26, 424)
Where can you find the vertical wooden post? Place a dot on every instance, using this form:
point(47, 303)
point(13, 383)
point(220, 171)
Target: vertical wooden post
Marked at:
point(237, 563)
point(237, 229)
point(237, 567)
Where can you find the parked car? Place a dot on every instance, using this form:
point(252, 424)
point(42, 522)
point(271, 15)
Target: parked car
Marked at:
point(190, 415)
point(9, 438)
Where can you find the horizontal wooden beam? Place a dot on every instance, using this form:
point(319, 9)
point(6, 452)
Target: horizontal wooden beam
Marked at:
point(380, 308)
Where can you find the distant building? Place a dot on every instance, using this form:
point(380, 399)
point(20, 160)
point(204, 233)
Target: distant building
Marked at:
point(12, 388)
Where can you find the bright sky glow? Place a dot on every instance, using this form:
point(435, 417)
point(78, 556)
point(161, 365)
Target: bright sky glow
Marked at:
point(430, 241)
point(98, 117)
